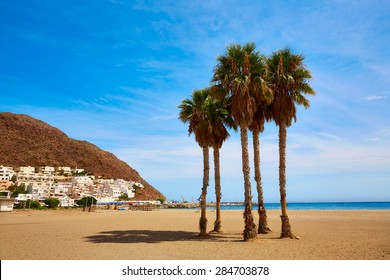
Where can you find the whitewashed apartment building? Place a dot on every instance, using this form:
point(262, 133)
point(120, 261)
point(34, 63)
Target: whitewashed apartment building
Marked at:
point(34, 179)
point(6, 173)
point(49, 170)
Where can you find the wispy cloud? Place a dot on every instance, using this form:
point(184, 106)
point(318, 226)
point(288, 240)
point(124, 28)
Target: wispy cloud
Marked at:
point(164, 117)
point(384, 94)
point(136, 91)
point(375, 97)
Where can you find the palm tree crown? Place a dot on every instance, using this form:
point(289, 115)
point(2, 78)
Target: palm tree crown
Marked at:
point(195, 112)
point(288, 78)
point(220, 120)
point(239, 74)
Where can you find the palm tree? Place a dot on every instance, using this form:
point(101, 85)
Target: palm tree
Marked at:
point(236, 75)
point(194, 111)
point(220, 119)
point(257, 127)
point(264, 97)
point(289, 82)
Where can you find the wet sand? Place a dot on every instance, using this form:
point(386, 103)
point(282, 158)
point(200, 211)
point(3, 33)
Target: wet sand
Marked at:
point(172, 235)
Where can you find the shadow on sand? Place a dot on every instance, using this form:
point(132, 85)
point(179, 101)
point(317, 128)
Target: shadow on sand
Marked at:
point(149, 236)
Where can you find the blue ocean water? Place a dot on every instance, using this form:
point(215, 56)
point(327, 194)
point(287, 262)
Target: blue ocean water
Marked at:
point(319, 206)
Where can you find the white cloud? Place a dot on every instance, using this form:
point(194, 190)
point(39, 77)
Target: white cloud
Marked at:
point(164, 117)
point(375, 97)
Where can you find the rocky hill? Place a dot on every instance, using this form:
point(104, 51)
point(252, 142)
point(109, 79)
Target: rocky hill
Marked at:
point(27, 141)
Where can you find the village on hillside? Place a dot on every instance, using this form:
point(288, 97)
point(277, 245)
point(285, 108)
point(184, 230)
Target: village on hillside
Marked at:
point(64, 183)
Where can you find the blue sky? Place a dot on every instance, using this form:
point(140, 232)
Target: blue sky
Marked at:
point(114, 72)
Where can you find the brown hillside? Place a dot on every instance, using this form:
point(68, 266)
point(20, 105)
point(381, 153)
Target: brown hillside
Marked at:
point(27, 141)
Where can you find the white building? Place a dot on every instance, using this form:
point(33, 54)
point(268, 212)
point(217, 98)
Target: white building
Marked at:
point(66, 201)
point(26, 169)
point(24, 197)
point(83, 181)
point(38, 192)
point(125, 187)
point(103, 190)
point(6, 202)
point(139, 185)
point(115, 192)
point(49, 170)
point(61, 188)
point(104, 181)
point(34, 179)
point(6, 173)
point(65, 170)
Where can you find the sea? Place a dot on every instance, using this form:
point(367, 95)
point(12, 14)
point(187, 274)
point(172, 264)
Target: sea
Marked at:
point(317, 206)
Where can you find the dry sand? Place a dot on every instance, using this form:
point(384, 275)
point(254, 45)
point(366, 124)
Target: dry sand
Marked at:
point(172, 234)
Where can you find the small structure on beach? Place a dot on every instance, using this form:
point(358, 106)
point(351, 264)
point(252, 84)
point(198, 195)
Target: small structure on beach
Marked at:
point(6, 202)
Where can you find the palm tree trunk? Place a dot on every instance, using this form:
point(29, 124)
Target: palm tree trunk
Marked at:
point(206, 171)
point(250, 227)
point(286, 228)
point(263, 223)
point(217, 178)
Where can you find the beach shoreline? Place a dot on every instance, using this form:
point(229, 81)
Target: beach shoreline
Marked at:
point(171, 234)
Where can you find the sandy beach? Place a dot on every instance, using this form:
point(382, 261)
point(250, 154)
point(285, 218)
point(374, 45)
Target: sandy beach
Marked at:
point(172, 234)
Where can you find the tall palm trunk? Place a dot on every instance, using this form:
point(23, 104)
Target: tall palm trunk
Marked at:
point(263, 223)
point(286, 228)
point(250, 227)
point(217, 178)
point(206, 171)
